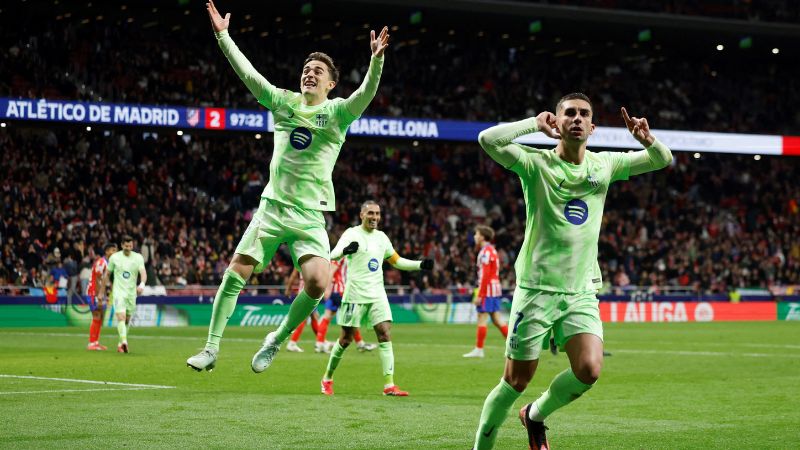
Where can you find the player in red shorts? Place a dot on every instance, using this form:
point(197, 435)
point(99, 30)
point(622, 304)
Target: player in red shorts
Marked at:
point(98, 306)
point(489, 291)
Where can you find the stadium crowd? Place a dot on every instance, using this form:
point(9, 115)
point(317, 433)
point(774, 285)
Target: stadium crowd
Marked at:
point(455, 71)
point(712, 224)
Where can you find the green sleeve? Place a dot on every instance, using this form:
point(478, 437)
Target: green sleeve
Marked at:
point(654, 157)
point(497, 141)
point(266, 94)
point(357, 102)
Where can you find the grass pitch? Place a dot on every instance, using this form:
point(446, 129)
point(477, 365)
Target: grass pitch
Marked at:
point(667, 385)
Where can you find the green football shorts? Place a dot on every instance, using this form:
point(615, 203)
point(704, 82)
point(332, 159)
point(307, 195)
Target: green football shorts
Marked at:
point(536, 314)
point(124, 303)
point(274, 223)
point(359, 315)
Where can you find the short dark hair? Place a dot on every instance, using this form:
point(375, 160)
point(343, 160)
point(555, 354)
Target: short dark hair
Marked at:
point(369, 203)
point(486, 231)
point(127, 238)
point(319, 56)
point(574, 96)
point(109, 246)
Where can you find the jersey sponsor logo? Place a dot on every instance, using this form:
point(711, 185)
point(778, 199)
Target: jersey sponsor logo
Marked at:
point(300, 138)
point(576, 211)
point(126, 274)
point(322, 119)
point(373, 265)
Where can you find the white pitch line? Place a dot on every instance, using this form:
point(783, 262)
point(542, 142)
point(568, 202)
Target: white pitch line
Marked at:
point(72, 390)
point(75, 380)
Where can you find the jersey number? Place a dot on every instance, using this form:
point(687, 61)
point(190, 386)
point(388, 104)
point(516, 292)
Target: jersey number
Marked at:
point(516, 322)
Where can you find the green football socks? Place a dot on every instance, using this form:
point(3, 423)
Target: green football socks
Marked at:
point(564, 388)
point(336, 355)
point(224, 304)
point(387, 362)
point(122, 331)
point(495, 412)
point(301, 308)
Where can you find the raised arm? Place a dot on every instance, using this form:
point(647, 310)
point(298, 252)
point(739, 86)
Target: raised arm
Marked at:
point(655, 156)
point(497, 140)
point(359, 100)
point(262, 89)
point(400, 263)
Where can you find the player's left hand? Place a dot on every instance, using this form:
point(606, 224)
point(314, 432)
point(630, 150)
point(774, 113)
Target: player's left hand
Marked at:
point(427, 264)
point(379, 44)
point(638, 128)
point(139, 290)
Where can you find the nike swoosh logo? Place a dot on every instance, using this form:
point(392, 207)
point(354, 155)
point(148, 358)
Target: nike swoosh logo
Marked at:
point(562, 182)
point(291, 115)
point(489, 433)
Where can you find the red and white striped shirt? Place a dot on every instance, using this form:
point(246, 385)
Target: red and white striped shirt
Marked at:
point(488, 273)
point(98, 270)
point(339, 276)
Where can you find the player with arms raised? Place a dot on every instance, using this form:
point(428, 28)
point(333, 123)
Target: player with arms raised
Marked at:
point(487, 299)
point(309, 132)
point(557, 271)
point(98, 305)
point(364, 300)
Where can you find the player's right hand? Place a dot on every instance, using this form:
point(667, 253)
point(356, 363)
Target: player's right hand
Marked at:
point(546, 123)
point(351, 248)
point(427, 264)
point(218, 23)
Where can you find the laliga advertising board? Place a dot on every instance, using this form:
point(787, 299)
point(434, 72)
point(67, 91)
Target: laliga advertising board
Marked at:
point(686, 311)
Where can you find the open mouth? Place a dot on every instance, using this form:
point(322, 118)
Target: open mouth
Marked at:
point(310, 84)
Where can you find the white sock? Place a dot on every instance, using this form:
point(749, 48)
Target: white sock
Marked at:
point(534, 414)
point(387, 386)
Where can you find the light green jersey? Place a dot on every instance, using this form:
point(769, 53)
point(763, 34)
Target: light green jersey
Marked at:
point(365, 267)
point(307, 138)
point(125, 270)
point(564, 204)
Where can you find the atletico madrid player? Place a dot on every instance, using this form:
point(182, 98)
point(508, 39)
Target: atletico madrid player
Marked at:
point(98, 305)
point(487, 299)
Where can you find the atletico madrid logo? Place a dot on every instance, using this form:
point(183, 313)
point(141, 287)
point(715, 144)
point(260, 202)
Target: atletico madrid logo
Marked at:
point(322, 120)
point(192, 116)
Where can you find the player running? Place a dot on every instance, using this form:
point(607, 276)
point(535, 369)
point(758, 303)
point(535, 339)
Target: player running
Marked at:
point(124, 265)
point(488, 298)
point(364, 301)
point(557, 271)
point(338, 274)
point(309, 132)
point(96, 305)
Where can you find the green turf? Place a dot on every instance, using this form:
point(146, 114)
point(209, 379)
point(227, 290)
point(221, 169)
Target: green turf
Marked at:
point(688, 385)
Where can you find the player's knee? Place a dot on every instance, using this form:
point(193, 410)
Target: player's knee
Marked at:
point(589, 372)
point(345, 341)
point(518, 382)
point(315, 285)
point(384, 336)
